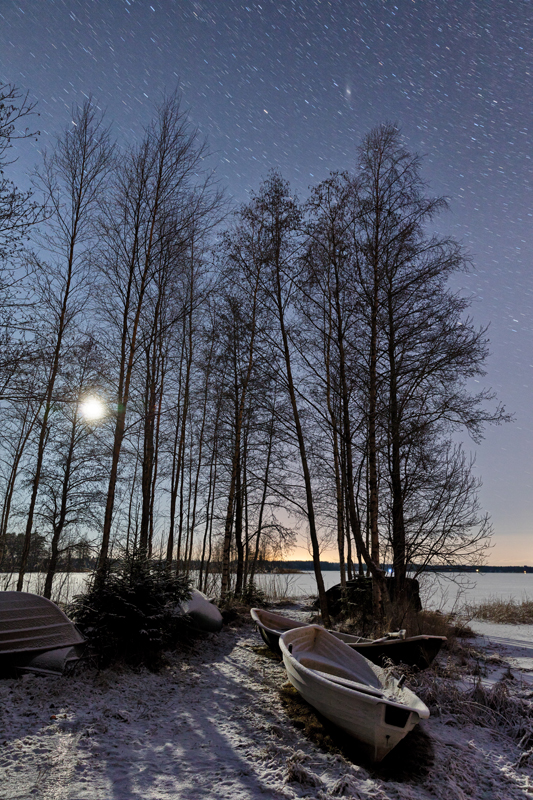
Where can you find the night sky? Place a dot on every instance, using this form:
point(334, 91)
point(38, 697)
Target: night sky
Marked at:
point(295, 85)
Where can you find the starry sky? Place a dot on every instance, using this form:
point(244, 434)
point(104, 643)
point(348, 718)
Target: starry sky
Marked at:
point(296, 84)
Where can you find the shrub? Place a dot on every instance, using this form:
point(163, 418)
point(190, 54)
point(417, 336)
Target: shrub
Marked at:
point(129, 613)
point(252, 595)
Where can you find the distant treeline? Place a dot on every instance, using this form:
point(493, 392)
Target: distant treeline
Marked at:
point(79, 559)
point(459, 568)
point(332, 565)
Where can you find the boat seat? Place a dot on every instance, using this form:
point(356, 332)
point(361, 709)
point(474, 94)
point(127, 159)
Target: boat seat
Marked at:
point(322, 664)
point(358, 687)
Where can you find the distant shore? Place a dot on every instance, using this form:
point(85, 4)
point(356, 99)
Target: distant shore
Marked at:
point(307, 566)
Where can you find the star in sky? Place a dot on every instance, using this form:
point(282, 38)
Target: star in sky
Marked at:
point(294, 85)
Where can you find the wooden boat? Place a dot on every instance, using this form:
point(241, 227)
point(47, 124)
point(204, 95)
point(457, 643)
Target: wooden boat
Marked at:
point(35, 635)
point(415, 651)
point(356, 695)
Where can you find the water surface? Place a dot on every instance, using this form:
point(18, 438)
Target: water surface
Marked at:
point(445, 592)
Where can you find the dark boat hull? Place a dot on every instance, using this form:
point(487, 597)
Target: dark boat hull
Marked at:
point(415, 651)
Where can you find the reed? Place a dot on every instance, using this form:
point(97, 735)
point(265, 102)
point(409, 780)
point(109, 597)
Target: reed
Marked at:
point(508, 611)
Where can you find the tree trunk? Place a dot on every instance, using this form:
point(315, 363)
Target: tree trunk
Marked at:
point(59, 524)
point(315, 548)
point(236, 451)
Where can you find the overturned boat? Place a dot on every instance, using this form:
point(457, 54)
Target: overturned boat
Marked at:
point(354, 694)
point(35, 635)
point(202, 613)
point(414, 651)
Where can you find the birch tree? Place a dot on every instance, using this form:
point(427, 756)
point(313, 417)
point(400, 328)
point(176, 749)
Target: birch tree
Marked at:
point(155, 196)
point(423, 352)
point(72, 180)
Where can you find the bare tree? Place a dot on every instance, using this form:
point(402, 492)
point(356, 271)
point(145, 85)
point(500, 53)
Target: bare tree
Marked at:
point(242, 324)
point(72, 472)
point(18, 214)
point(17, 210)
point(72, 180)
point(18, 425)
point(331, 308)
point(277, 217)
point(423, 349)
point(155, 196)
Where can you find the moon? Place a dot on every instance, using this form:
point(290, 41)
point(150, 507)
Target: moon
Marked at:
point(92, 408)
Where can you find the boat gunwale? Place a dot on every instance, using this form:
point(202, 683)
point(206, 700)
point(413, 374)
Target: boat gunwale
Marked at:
point(256, 613)
point(426, 637)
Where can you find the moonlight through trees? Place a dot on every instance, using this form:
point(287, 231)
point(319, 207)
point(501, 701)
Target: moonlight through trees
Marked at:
point(298, 365)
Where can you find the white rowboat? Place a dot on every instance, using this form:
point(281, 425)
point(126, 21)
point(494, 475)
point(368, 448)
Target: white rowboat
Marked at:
point(36, 636)
point(356, 695)
point(31, 623)
point(202, 613)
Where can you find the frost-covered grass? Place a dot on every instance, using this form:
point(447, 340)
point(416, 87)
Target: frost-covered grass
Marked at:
point(499, 707)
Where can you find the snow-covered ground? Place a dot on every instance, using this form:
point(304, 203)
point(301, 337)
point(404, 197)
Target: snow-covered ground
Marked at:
point(213, 725)
point(513, 642)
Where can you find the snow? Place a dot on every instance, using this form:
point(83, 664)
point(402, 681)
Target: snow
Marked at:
point(513, 642)
point(213, 725)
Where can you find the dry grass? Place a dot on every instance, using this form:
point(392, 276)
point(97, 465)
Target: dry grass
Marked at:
point(489, 707)
point(503, 707)
point(434, 623)
point(278, 586)
point(265, 652)
point(503, 611)
point(297, 773)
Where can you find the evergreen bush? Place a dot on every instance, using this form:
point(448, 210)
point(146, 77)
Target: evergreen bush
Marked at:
point(252, 595)
point(129, 612)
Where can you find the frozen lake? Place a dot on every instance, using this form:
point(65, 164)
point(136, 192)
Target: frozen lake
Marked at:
point(447, 592)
